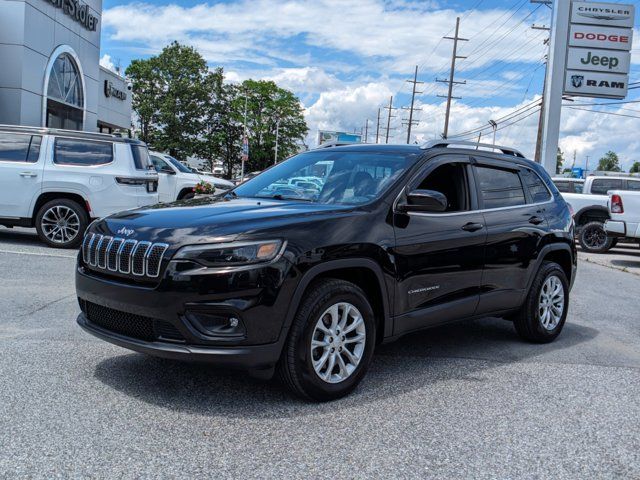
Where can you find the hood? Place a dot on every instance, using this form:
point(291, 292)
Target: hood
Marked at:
point(216, 180)
point(210, 219)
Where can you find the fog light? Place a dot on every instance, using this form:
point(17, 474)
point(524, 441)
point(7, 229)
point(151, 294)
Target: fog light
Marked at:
point(216, 324)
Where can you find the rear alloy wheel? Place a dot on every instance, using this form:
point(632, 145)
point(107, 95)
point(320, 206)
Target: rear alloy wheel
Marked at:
point(330, 343)
point(544, 312)
point(61, 223)
point(593, 238)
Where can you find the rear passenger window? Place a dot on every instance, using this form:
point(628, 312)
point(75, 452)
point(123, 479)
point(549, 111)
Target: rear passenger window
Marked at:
point(69, 151)
point(537, 189)
point(499, 188)
point(19, 148)
point(633, 185)
point(140, 157)
point(601, 186)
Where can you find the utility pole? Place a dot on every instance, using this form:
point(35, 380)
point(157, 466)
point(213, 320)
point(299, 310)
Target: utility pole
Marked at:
point(275, 160)
point(411, 121)
point(544, 84)
point(586, 167)
point(366, 131)
point(378, 127)
point(389, 117)
point(452, 72)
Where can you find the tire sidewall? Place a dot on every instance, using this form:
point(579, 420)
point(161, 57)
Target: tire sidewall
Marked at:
point(79, 211)
point(316, 387)
point(547, 271)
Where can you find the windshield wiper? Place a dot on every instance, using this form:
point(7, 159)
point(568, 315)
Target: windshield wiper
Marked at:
point(279, 196)
point(231, 194)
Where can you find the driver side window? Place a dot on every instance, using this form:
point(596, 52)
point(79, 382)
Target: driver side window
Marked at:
point(159, 164)
point(451, 180)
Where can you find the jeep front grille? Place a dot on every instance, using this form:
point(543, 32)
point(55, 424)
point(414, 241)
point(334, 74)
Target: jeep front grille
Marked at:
point(127, 256)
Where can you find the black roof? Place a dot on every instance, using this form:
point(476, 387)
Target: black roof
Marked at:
point(69, 133)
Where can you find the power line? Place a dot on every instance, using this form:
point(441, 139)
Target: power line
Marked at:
point(605, 113)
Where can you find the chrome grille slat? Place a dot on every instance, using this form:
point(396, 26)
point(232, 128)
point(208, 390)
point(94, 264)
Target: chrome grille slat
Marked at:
point(125, 256)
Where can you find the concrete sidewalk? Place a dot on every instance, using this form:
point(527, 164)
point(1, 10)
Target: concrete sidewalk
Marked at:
point(625, 257)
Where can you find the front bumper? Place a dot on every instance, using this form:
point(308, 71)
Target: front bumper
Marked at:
point(244, 357)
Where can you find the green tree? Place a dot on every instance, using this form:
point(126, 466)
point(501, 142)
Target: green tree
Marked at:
point(222, 129)
point(270, 109)
point(635, 168)
point(145, 94)
point(171, 92)
point(609, 162)
point(559, 160)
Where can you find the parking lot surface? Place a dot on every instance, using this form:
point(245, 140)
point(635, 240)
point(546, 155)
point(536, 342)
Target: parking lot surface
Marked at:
point(468, 400)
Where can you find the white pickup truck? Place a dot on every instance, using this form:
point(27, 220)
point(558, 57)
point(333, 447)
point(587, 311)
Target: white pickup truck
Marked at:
point(624, 208)
point(591, 209)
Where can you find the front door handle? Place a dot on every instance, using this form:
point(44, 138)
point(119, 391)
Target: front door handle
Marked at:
point(472, 227)
point(28, 174)
point(536, 220)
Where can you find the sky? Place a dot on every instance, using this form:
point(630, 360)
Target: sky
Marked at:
point(346, 58)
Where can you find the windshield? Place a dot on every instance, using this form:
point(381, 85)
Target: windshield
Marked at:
point(330, 177)
point(178, 165)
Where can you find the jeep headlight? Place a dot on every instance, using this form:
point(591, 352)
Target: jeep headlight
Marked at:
point(231, 254)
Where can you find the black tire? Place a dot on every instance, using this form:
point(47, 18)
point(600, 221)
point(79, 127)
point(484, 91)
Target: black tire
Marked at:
point(43, 225)
point(187, 195)
point(593, 238)
point(528, 322)
point(295, 367)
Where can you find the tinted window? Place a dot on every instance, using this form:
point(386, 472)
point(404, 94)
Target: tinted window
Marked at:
point(140, 157)
point(602, 185)
point(15, 147)
point(499, 188)
point(159, 163)
point(537, 189)
point(449, 179)
point(82, 152)
point(633, 184)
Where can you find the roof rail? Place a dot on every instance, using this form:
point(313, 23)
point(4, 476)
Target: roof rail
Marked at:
point(475, 145)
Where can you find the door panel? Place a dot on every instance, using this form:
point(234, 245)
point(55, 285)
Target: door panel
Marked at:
point(21, 168)
point(514, 233)
point(439, 260)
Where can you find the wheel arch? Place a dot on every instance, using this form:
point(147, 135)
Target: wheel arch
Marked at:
point(363, 272)
point(184, 191)
point(558, 253)
point(591, 213)
point(45, 197)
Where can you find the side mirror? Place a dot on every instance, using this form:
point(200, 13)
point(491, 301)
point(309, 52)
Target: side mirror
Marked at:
point(424, 201)
point(167, 170)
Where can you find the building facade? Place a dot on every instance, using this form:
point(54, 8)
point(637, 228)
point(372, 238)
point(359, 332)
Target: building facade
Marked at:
point(50, 75)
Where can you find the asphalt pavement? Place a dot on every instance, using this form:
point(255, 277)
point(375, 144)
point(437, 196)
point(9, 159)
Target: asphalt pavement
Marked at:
point(468, 400)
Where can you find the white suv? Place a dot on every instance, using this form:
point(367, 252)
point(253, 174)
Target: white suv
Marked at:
point(58, 180)
point(177, 181)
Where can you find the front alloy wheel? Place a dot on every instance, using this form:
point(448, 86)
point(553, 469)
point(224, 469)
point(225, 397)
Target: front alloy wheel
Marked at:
point(338, 342)
point(330, 342)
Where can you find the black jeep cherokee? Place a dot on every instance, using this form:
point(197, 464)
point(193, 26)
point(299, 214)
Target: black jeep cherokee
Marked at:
point(308, 266)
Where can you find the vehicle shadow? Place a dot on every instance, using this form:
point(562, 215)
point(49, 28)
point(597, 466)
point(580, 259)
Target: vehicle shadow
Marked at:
point(15, 236)
point(458, 351)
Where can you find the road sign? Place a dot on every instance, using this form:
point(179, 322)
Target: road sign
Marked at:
point(609, 14)
point(595, 84)
point(612, 61)
point(591, 36)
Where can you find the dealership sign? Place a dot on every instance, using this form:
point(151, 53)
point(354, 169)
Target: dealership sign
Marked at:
point(111, 91)
point(598, 54)
point(610, 14)
point(600, 37)
point(598, 60)
point(78, 11)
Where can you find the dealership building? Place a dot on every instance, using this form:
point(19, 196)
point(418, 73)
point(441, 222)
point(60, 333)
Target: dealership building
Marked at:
point(50, 74)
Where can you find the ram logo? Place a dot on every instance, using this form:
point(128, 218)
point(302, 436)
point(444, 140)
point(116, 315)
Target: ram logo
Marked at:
point(576, 80)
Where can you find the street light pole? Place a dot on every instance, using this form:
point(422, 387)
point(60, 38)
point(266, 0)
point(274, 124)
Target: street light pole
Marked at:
point(494, 125)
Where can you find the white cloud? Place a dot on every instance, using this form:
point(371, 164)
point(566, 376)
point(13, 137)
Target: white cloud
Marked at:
point(106, 62)
point(304, 80)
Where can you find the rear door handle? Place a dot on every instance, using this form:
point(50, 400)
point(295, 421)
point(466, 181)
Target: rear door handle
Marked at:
point(536, 220)
point(472, 227)
point(28, 174)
